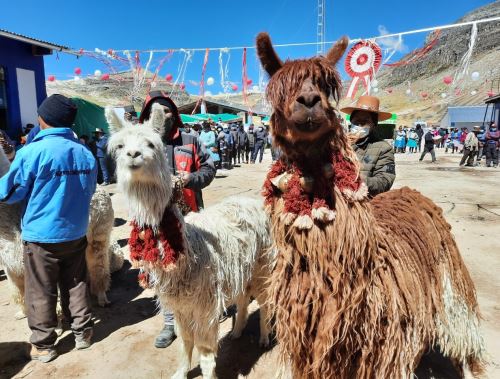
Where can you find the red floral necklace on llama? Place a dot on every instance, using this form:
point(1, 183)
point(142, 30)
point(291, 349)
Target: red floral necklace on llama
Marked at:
point(144, 244)
point(307, 198)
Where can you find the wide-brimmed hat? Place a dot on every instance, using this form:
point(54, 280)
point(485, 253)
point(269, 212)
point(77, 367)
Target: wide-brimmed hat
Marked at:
point(476, 128)
point(368, 104)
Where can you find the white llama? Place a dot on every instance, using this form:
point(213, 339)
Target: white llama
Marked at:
point(102, 259)
point(226, 253)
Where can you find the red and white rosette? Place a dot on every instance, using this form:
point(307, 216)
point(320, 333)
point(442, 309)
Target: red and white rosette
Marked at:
point(362, 61)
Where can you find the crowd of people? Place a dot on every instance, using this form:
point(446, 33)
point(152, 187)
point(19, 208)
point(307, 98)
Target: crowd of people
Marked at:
point(475, 144)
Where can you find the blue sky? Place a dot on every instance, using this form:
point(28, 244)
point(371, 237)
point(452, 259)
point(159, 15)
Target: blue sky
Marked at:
point(159, 24)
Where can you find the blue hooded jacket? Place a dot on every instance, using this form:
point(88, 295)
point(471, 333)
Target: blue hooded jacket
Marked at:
point(56, 175)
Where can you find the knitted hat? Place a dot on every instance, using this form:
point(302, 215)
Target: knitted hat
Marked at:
point(58, 111)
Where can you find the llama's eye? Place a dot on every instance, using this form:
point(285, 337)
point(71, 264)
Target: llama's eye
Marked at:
point(119, 146)
point(151, 146)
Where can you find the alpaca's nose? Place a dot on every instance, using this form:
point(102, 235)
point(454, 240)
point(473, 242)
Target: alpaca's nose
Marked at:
point(309, 99)
point(133, 154)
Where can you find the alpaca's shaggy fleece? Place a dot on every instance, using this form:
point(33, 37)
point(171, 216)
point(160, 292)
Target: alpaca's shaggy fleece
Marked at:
point(226, 246)
point(98, 255)
point(366, 293)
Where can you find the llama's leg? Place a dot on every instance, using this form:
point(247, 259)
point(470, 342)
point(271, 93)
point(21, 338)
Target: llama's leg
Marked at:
point(97, 259)
point(241, 316)
point(187, 352)
point(16, 283)
point(265, 327)
point(206, 341)
point(207, 363)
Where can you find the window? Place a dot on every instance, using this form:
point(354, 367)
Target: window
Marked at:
point(3, 99)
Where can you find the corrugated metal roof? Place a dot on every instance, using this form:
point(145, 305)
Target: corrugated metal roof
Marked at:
point(468, 114)
point(33, 41)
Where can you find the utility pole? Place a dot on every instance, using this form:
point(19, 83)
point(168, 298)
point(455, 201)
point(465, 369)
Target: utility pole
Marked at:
point(320, 37)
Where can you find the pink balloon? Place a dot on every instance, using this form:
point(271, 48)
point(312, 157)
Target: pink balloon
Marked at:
point(105, 77)
point(448, 80)
point(182, 86)
point(169, 77)
point(235, 87)
point(491, 93)
point(78, 71)
point(424, 94)
point(249, 82)
point(51, 78)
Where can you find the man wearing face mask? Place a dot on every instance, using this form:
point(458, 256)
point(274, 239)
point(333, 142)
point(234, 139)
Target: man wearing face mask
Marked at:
point(376, 156)
point(190, 161)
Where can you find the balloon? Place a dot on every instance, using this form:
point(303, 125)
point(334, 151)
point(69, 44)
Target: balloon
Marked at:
point(408, 91)
point(78, 71)
point(97, 73)
point(153, 84)
point(182, 86)
point(424, 94)
point(374, 89)
point(51, 78)
point(249, 82)
point(374, 83)
point(443, 95)
point(76, 78)
point(105, 77)
point(448, 80)
point(210, 81)
point(475, 75)
point(169, 77)
point(234, 87)
point(491, 93)
point(473, 92)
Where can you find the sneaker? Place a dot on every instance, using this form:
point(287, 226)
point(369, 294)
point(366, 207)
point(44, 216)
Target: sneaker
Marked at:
point(84, 340)
point(166, 337)
point(43, 355)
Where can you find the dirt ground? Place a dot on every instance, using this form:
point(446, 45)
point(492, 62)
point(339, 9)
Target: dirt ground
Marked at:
point(124, 332)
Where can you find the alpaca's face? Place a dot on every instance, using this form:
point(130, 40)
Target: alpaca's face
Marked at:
point(301, 92)
point(137, 149)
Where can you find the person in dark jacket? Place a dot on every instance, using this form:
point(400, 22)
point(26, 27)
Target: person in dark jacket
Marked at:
point(234, 135)
point(260, 144)
point(376, 156)
point(101, 145)
point(420, 134)
point(55, 176)
point(190, 161)
point(226, 143)
point(242, 138)
point(492, 144)
point(429, 146)
point(251, 143)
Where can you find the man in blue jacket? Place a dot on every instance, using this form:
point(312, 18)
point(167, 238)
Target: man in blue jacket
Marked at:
point(56, 177)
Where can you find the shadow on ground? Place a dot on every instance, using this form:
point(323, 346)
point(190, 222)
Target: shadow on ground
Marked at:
point(13, 357)
point(238, 357)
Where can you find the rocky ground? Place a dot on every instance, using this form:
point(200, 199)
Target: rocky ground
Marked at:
point(124, 332)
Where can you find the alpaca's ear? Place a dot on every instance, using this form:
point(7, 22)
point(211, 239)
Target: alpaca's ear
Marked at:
point(113, 120)
point(157, 118)
point(337, 50)
point(267, 55)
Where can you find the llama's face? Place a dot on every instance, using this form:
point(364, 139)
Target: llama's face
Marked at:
point(137, 149)
point(301, 92)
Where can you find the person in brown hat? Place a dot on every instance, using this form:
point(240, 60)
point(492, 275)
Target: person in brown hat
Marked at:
point(376, 156)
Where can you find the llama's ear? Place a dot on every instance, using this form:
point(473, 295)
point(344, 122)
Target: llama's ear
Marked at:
point(113, 120)
point(157, 118)
point(267, 55)
point(337, 50)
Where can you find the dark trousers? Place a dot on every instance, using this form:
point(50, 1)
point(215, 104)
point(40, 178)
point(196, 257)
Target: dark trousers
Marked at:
point(103, 164)
point(259, 147)
point(428, 149)
point(46, 266)
point(491, 154)
point(241, 154)
point(248, 153)
point(468, 156)
point(234, 154)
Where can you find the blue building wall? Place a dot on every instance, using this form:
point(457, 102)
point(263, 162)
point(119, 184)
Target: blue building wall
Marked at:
point(16, 54)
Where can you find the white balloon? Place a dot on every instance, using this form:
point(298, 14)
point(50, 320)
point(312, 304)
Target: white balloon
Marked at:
point(153, 84)
point(374, 83)
point(97, 73)
point(475, 75)
point(474, 92)
point(408, 91)
point(76, 78)
point(375, 89)
point(443, 95)
point(210, 81)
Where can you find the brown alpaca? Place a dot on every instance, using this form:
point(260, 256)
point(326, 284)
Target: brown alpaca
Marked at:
point(361, 288)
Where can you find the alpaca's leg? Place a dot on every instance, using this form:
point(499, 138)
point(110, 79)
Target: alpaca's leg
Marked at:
point(241, 316)
point(265, 328)
point(98, 268)
point(187, 346)
point(16, 283)
point(207, 363)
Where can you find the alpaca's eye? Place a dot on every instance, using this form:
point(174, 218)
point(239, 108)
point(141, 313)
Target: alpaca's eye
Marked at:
point(119, 146)
point(151, 146)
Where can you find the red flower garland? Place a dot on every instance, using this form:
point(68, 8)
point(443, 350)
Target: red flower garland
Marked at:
point(143, 243)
